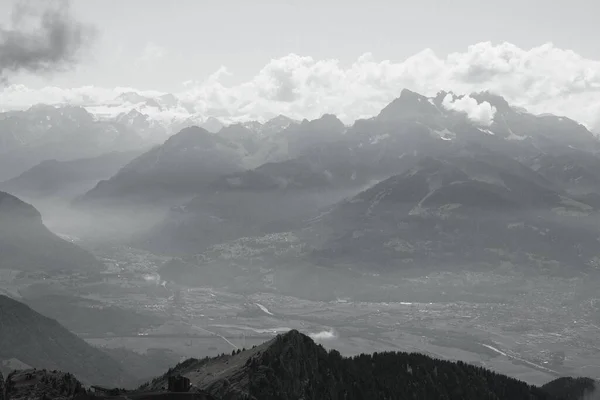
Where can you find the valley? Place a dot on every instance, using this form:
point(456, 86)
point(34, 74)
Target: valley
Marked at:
point(417, 230)
point(531, 328)
point(370, 214)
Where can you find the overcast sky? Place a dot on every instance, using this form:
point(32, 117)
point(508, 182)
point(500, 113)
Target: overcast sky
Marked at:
point(160, 45)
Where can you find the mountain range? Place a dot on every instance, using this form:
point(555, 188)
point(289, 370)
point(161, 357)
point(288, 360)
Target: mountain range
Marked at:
point(420, 184)
point(62, 133)
point(66, 179)
point(423, 182)
point(317, 208)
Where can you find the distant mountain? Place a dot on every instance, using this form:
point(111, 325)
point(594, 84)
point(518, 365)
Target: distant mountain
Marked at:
point(275, 197)
point(263, 143)
point(292, 366)
point(66, 179)
point(271, 127)
point(573, 170)
point(185, 163)
point(151, 130)
point(42, 342)
point(313, 164)
point(212, 125)
point(303, 137)
point(26, 244)
point(240, 134)
point(473, 209)
point(470, 208)
point(62, 133)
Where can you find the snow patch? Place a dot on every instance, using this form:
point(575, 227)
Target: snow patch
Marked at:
point(514, 136)
point(445, 134)
point(379, 138)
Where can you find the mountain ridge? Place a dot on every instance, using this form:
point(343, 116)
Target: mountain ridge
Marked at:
point(292, 365)
point(26, 243)
point(43, 343)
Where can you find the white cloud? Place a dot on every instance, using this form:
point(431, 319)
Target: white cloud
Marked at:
point(480, 113)
point(150, 54)
point(541, 79)
point(324, 335)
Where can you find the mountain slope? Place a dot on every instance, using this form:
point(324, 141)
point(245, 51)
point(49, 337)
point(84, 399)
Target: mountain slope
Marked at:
point(52, 178)
point(502, 163)
point(572, 388)
point(185, 163)
point(292, 366)
point(26, 244)
point(42, 384)
point(62, 133)
point(43, 343)
point(274, 197)
point(464, 209)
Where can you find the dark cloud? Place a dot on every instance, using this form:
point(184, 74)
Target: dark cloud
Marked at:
point(43, 37)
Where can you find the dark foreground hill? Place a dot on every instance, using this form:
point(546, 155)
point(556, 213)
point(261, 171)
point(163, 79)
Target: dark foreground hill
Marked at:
point(42, 342)
point(26, 243)
point(292, 366)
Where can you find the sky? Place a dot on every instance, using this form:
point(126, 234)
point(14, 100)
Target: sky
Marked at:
point(329, 56)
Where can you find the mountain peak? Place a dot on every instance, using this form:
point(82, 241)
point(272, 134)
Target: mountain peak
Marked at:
point(189, 136)
point(495, 100)
point(409, 104)
point(131, 97)
point(329, 122)
point(212, 124)
point(281, 117)
point(293, 366)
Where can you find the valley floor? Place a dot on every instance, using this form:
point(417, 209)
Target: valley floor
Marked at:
point(534, 329)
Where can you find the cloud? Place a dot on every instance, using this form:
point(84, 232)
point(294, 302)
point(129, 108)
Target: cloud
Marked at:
point(480, 113)
point(150, 54)
point(41, 39)
point(541, 79)
point(323, 335)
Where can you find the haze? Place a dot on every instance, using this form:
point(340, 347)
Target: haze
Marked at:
point(276, 200)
